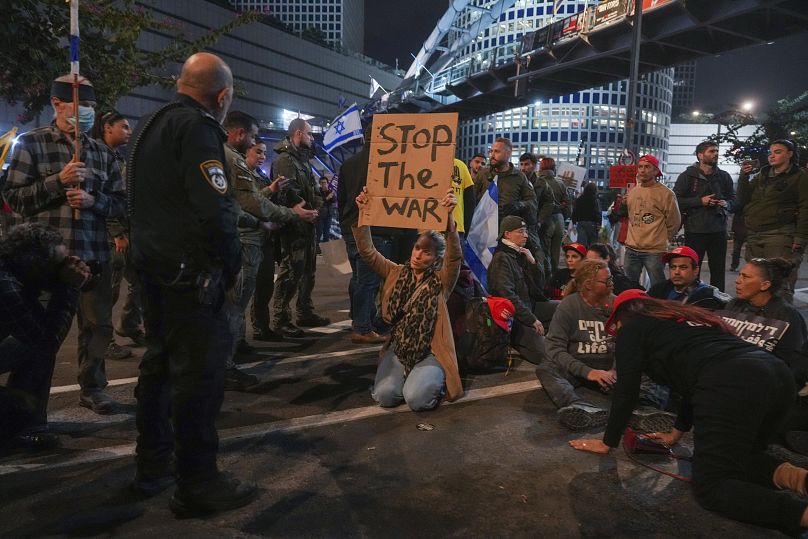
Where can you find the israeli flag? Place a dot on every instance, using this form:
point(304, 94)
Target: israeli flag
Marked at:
point(347, 126)
point(481, 238)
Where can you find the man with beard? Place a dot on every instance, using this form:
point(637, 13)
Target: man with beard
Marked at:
point(706, 198)
point(33, 259)
point(653, 220)
point(516, 194)
point(257, 214)
point(298, 240)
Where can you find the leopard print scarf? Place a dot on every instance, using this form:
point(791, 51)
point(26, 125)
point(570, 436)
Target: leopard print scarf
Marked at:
point(413, 310)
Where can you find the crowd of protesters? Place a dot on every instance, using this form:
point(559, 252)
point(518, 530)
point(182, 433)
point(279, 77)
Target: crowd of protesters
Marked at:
point(655, 360)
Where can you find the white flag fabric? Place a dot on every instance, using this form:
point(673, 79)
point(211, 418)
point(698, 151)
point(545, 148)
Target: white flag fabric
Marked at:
point(481, 238)
point(347, 126)
point(374, 85)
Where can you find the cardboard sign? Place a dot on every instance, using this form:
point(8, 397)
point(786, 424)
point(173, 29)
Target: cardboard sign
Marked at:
point(762, 332)
point(622, 175)
point(572, 175)
point(410, 170)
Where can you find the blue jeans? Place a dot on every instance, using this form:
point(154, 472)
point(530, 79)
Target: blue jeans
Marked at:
point(422, 390)
point(364, 285)
point(652, 262)
point(587, 233)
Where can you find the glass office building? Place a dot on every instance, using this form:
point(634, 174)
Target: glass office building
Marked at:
point(585, 128)
point(342, 22)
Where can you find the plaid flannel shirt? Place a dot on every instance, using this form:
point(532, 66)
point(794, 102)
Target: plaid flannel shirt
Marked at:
point(33, 189)
point(22, 315)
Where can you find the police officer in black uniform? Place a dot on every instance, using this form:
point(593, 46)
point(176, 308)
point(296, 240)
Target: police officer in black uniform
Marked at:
point(186, 247)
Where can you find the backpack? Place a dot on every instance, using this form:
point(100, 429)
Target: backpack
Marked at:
point(483, 345)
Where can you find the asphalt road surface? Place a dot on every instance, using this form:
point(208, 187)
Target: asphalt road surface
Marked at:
point(330, 463)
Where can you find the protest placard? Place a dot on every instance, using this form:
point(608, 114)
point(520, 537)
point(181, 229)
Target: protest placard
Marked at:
point(573, 176)
point(410, 170)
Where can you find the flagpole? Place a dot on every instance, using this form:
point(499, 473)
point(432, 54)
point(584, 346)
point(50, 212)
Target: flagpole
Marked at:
point(74, 70)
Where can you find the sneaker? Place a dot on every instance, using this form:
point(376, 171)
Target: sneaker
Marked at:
point(267, 335)
point(138, 338)
point(115, 351)
point(313, 321)
point(150, 486)
point(222, 493)
point(648, 419)
point(367, 338)
point(237, 380)
point(289, 331)
point(582, 416)
point(243, 347)
point(98, 401)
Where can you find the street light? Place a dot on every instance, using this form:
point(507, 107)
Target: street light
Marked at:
point(748, 106)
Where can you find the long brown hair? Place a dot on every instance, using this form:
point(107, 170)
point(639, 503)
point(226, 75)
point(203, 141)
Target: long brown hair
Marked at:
point(671, 310)
point(586, 270)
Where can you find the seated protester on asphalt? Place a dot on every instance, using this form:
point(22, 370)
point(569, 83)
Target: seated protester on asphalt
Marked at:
point(513, 274)
point(605, 252)
point(735, 395)
point(758, 289)
point(684, 284)
point(579, 356)
point(419, 363)
point(33, 260)
point(573, 254)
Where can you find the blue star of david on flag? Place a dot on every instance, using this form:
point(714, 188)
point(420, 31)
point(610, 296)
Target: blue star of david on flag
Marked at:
point(347, 126)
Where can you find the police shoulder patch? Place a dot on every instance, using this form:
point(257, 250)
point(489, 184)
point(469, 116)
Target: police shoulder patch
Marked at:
point(213, 171)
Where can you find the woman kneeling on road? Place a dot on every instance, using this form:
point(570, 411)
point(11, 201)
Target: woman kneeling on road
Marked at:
point(419, 363)
point(734, 393)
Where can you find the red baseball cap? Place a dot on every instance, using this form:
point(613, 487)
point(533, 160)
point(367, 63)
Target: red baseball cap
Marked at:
point(681, 251)
point(623, 297)
point(502, 311)
point(653, 160)
point(580, 247)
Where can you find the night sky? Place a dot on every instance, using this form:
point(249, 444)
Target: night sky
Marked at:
point(763, 74)
point(396, 28)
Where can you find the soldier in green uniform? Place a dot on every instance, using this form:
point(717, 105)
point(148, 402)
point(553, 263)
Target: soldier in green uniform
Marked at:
point(257, 215)
point(298, 240)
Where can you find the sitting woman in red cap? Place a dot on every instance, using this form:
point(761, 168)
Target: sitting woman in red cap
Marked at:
point(734, 394)
point(580, 357)
point(574, 253)
point(419, 363)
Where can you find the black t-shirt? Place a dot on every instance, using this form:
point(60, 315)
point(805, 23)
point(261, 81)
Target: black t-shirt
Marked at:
point(672, 354)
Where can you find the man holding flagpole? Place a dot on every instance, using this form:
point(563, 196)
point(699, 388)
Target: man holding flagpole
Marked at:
point(42, 186)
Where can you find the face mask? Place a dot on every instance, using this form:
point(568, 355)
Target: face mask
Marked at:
point(86, 118)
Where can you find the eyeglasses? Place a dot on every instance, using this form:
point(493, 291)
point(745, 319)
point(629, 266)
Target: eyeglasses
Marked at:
point(607, 282)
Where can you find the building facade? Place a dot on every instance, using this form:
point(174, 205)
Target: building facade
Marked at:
point(684, 139)
point(342, 22)
point(585, 128)
point(277, 75)
point(684, 88)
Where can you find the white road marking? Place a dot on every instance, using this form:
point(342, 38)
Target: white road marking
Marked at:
point(105, 454)
point(283, 361)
